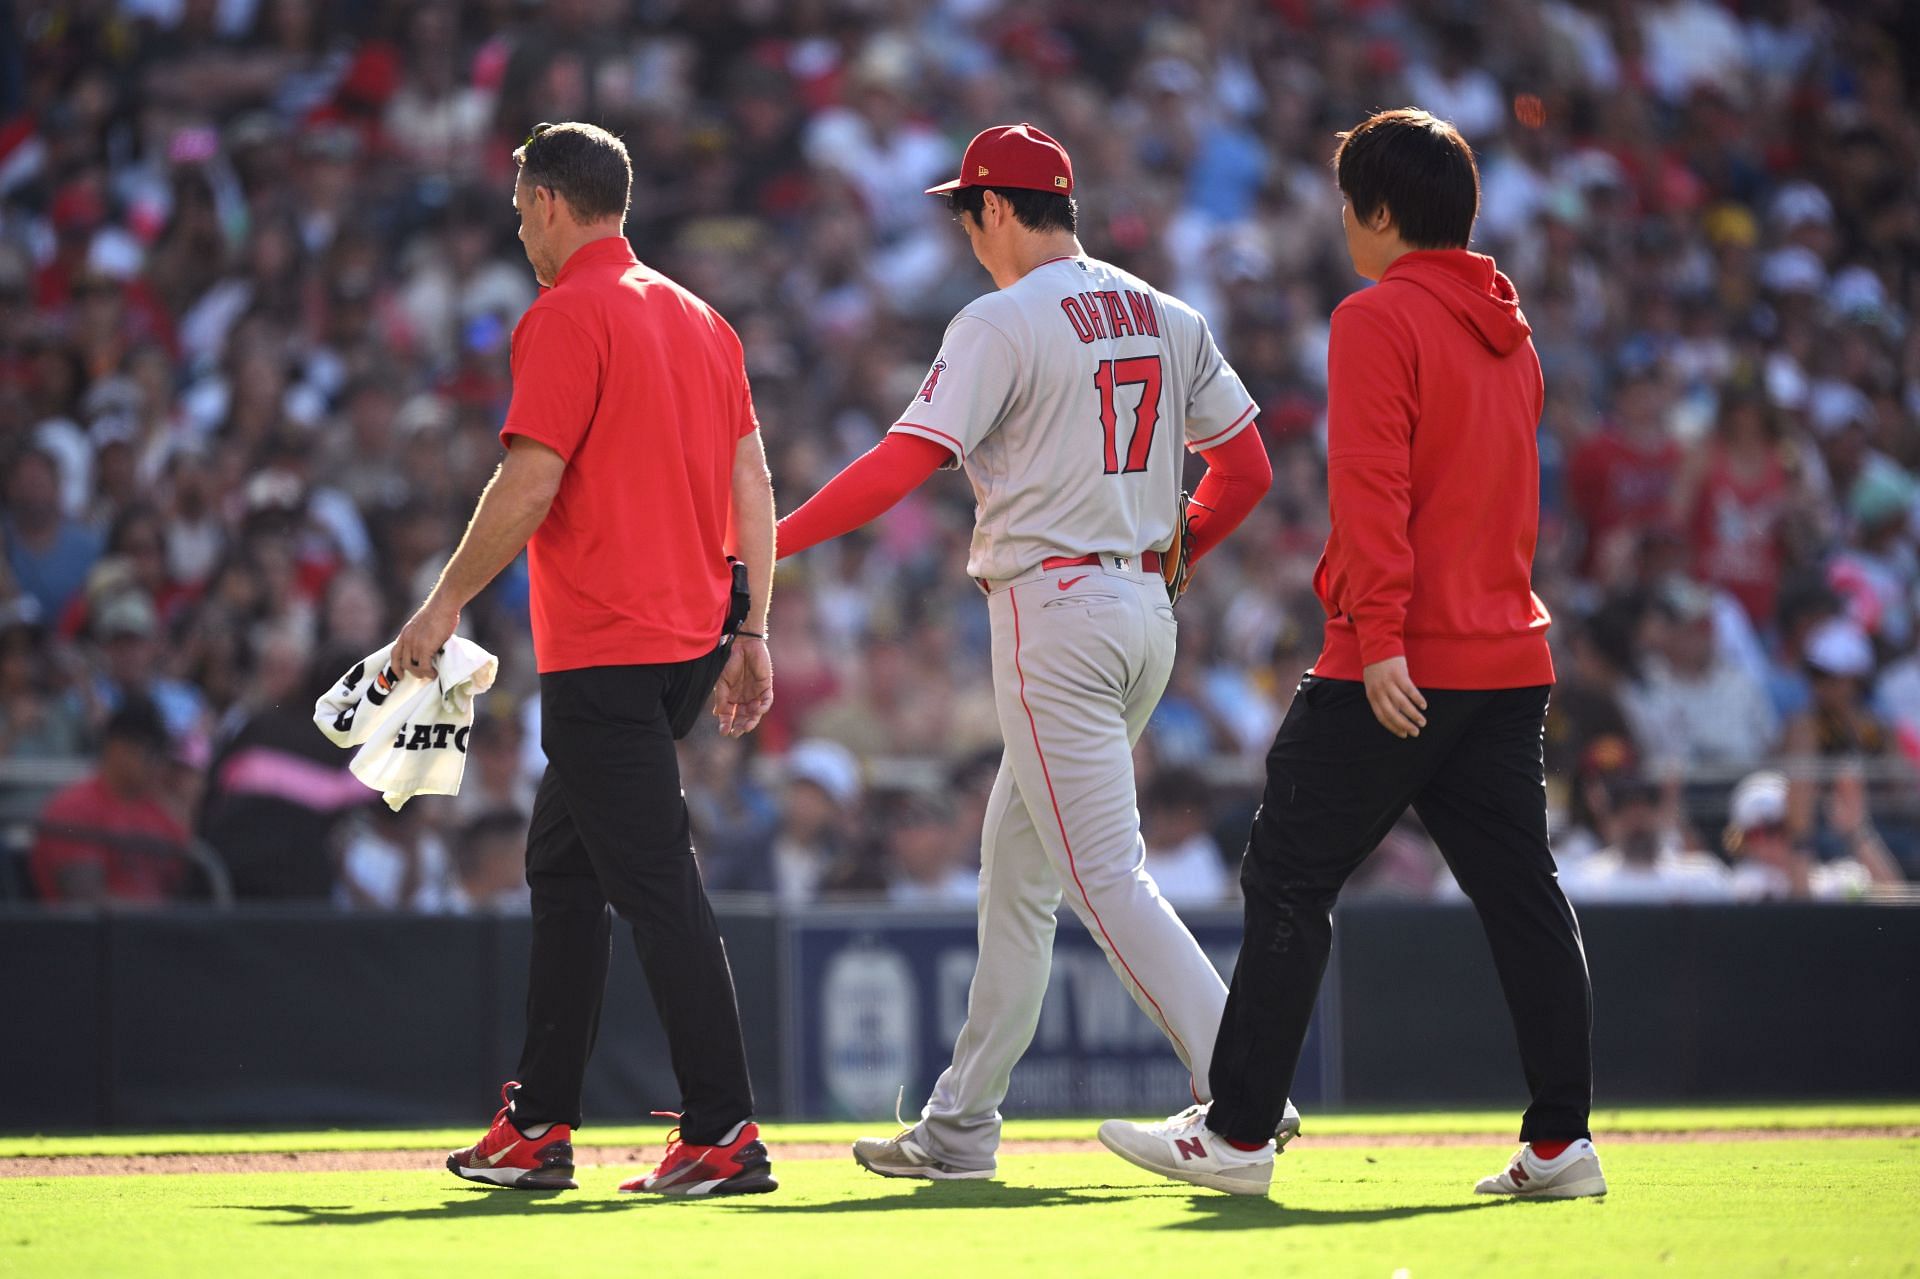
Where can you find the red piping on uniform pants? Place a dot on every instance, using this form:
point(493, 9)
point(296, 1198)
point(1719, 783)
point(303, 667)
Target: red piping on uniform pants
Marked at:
point(1013, 598)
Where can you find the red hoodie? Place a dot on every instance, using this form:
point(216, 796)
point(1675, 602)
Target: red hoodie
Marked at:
point(1433, 476)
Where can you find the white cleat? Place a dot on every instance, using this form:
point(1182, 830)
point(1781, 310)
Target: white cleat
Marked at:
point(1574, 1175)
point(1185, 1149)
point(902, 1156)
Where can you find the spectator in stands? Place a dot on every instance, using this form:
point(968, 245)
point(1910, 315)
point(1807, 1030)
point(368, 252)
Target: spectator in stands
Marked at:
point(1644, 861)
point(735, 817)
point(1769, 864)
point(394, 861)
point(277, 791)
point(1621, 479)
point(927, 861)
point(107, 838)
point(490, 866)
point(1182, 856)
point(1694, 708)
point(48, 553)
point(1735, 495)
point(1839, 722)
point(494, 782)
point(128, 631)
point(34, 724)
point(816, 833)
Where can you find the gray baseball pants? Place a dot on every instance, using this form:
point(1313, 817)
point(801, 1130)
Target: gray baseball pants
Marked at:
point(1081, 656)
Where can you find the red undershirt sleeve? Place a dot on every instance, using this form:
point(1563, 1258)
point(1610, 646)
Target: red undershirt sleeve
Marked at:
point(1238, 476)
point(870, 486)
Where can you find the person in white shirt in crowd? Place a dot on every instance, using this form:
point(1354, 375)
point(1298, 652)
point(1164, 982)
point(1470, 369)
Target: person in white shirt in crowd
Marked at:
point(1645, 861)
point(927, 861)
point(1769, 863)
point(393, 861)
point(1694, 709)
point(816, 810)
point(1182, 855)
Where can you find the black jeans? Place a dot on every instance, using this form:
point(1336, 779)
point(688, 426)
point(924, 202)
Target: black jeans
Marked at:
point(1336, 783)
point(610, 827)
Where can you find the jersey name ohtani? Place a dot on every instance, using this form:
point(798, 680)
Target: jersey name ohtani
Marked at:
point(1111, 313)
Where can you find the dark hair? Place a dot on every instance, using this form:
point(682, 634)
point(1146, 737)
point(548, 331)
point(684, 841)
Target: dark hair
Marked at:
point(1034, 210)
point(583, 164)
point(1420, 168)
point(137, 721)
point(1176, 790)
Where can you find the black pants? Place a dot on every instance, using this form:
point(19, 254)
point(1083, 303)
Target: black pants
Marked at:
point(610, 827)
point(1336, 783)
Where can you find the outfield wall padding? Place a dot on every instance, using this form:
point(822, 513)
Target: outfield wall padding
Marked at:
point(280, 1017)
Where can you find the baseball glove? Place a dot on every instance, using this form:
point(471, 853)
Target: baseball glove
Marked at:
point(1176, 563)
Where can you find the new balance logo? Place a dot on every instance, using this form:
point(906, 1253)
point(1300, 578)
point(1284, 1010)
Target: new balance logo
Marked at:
point(1519, 1174)
point(1191, 1147)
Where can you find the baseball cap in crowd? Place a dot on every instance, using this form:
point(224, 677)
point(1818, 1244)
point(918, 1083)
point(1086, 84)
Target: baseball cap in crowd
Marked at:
point(137, 720)
point(1839, 647)
point(1759, 800)
point(1794, 269)
point(828, 765)
point(1013, 155)
point(1801, 204)
point(1880, 494)
point(128, 613)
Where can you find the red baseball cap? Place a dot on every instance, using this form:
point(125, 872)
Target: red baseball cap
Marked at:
point(1013, 155)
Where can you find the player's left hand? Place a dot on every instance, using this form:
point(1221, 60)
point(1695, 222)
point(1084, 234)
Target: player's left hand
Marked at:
point(744, 693)
point(1396, 703)
point(422, 638)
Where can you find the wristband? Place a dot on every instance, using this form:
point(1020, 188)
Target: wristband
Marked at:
point(759, 635)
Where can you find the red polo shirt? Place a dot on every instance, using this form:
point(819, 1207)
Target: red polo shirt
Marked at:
point(642, 388)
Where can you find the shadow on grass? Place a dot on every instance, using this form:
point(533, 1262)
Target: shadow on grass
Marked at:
point(473, 1202)
point(1248, 1212)
point(1209, 1211)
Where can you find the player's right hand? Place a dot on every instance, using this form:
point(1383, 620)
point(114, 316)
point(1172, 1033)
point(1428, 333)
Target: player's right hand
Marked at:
point(1396, 702)
point(745, 690)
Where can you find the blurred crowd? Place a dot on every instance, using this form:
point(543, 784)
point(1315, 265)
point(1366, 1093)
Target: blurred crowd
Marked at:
point(258, 273)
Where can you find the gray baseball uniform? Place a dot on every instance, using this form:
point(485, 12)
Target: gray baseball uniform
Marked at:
point(1067, 396)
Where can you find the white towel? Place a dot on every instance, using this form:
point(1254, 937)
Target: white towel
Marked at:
point(412, 732)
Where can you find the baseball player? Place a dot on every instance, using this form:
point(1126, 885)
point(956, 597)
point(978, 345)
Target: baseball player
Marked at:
point(1066, 395)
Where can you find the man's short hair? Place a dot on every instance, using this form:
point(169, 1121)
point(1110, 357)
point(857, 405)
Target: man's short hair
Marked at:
point(1420, 168)
point(583, 164)
point(137, 720)
point(1034, 210)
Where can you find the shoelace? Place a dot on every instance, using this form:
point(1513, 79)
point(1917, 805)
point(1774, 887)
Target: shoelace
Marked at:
point(1185, 1119)
point(898, 1099)
point(673, 1138)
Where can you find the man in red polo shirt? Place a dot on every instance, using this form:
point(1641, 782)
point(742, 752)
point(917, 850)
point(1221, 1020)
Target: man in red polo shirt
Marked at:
point(634, 466)
point(1431, 690)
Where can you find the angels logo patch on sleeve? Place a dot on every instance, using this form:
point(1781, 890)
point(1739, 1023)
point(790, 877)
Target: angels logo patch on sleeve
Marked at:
point(933, 380)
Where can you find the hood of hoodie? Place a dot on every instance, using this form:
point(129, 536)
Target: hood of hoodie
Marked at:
point(1473, 291)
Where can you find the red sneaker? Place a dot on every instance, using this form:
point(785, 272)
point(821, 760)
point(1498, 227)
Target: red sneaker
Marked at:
point(507, 1157)
point(737, 1166)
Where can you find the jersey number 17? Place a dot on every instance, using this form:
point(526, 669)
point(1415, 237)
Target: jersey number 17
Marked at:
point(1142, 371)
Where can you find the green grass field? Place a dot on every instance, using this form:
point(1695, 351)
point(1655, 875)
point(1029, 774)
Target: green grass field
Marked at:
point(1787, 1206)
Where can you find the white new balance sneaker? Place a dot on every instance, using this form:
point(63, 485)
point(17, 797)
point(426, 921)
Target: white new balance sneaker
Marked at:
point(902, 1156)
point(1185, 1149)
point(1574, 1174)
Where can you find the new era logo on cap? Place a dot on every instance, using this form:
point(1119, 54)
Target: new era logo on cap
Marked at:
point(1013, 155)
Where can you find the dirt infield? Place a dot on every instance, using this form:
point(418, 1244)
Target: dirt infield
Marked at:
point(645, 1156)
